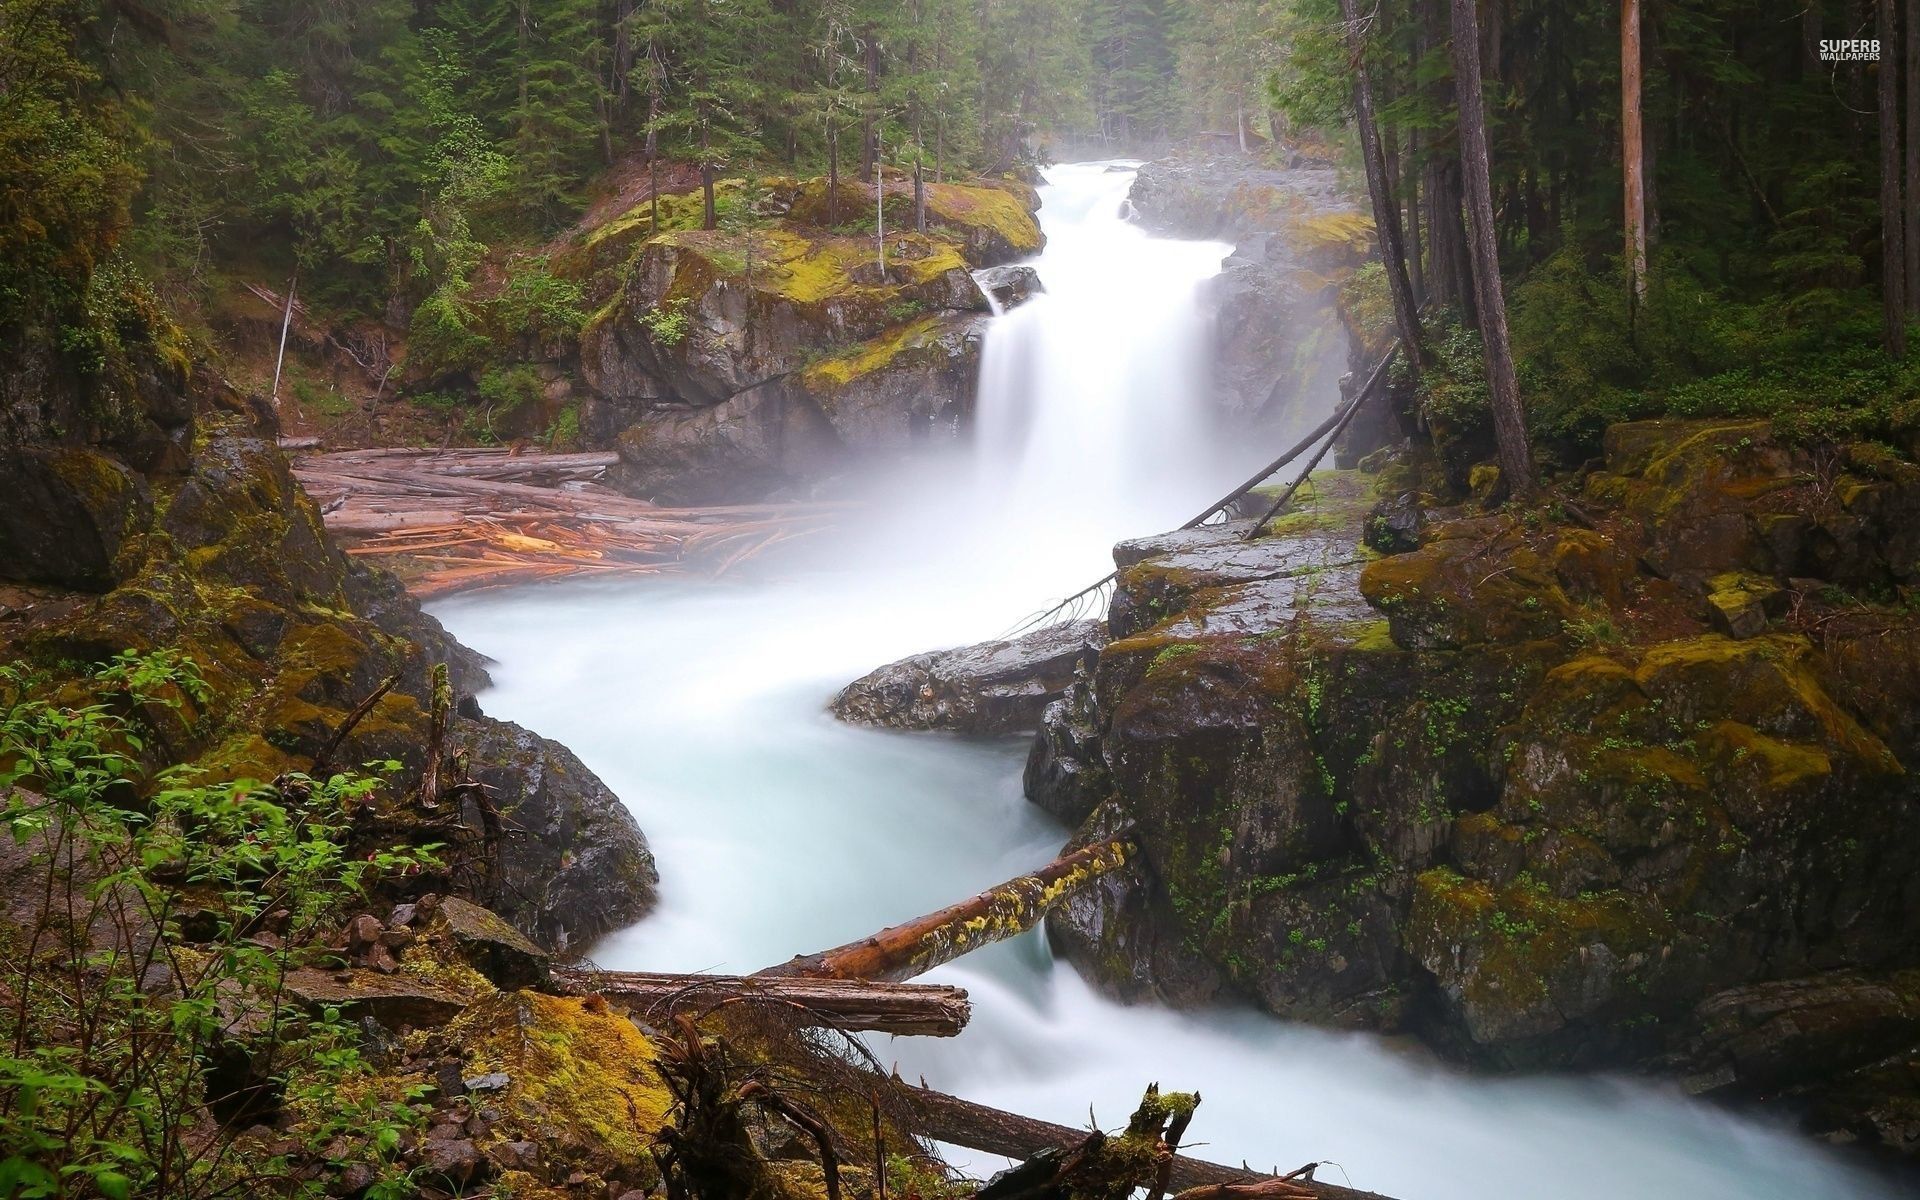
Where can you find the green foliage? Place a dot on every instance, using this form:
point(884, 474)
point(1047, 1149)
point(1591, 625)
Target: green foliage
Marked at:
point(171, 908)
point(668, 323)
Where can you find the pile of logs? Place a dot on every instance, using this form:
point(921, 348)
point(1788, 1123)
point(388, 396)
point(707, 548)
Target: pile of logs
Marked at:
point(453, 520)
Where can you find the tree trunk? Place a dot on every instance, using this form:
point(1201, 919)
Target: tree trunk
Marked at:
point(960, 1122)
point(833, 173)
point(916, 947)
point(1632, 155)
point(1913, 157)
point(869, 148)
point(919, 199)
point(1449, 278)
point(1503, 389)
point(1386, 208)
point(1893, 223)
point(1416, 251)
point(709, 214)
point(903, 1009)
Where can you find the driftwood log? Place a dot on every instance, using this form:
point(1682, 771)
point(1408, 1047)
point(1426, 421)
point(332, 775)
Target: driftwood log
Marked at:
point(916, 947)
point(451, 520)
point(958, 1122)
point(933, 1010)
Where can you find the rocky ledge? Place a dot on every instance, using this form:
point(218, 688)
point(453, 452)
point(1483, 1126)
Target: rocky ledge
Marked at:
point(178, 527)
point(1279, 344)
point(994, 687)
point(737, 364)
point(1624, 781)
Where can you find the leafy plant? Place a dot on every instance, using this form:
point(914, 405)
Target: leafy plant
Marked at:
point(147, 1013)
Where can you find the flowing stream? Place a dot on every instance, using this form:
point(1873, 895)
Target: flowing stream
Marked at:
point(780, 830)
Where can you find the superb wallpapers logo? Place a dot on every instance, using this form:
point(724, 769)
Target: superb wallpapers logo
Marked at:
point(1850, 50)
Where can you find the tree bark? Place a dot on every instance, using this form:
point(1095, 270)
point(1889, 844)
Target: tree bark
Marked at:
point(1386, 208)
point(1893, 223)
point(1449, 278)
point(1632, 154)
point(833, 174)
point(1503, 388)
point(904, 1009)
point(1416, 252)
point(960, 1122)
point(919, 199)
point(904, 951)
point(1912, 38)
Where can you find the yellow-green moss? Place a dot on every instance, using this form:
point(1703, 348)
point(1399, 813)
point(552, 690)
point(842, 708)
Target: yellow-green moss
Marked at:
point(873, 355)
point(577, 1069)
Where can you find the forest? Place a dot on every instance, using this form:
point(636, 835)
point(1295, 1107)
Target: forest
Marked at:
point(522, 521)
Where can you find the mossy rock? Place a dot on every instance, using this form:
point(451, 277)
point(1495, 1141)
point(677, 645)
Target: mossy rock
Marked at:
point(581, 1076)
point(68, 516)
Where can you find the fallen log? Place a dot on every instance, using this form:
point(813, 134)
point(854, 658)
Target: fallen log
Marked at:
point(916, 947)
point(958, 1122)
point(925, 1009)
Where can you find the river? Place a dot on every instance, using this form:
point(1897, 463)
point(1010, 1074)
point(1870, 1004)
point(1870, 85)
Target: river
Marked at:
point(780, 830)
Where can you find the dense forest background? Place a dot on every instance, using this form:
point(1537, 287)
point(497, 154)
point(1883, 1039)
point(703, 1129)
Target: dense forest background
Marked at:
point(395, 155)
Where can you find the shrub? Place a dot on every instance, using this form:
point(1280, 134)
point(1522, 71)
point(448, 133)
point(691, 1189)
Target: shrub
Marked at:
point(172, 908)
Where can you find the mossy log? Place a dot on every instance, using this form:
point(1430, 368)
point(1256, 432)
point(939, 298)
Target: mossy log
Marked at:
point(916, 947)
point(958, 1122)
point(933, 1010)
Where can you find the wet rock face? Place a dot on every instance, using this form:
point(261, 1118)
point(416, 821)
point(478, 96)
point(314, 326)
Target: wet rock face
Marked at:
point(1511, 789)
point(1009, 286)
point(731, 367)
point(223, 558)
point(991, 688)
point(1279, 345)
point(68, 514)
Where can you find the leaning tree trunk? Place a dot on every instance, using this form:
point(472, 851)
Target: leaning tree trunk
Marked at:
point(1386, 209)
point(1893, 222)
point(1503, 388)
point(903, 951)
point(1632, 156)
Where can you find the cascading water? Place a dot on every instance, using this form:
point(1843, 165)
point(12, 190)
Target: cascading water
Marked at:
point(1091, 393)
point(780, 830)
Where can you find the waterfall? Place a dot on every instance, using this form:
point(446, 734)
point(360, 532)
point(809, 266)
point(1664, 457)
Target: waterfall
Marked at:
point(1093, 395)
point(780, 830)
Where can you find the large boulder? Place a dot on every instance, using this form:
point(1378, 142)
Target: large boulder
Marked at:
point(711, 357)
point(222, 558)
point(68, 514)
point(908, 389)
point(1516, 788)
point(1279, 344)
point(993, 687)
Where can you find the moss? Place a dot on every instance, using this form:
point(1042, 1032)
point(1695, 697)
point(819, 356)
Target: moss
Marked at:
point(579, 1072)
point(875, 354)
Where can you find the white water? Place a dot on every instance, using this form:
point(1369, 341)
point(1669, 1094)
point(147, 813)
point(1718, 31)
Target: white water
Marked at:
point(780, 830)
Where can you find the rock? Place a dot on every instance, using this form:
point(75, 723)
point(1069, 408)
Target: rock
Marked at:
point(354, 1180)
point(515, 1156)
point(447, 1079)
point(705, 365)
point(994, 687)
point(1009, 286)
point(496, 949)
point(1065, 773)
point(581, 867)
point(1786, 1033)
point(1740, 604)
point(458, 1161)
point(493, 1081)
point(395, 1001)
point(68, 514)
point(909, 389)
point(1279, 345)
point(1393, 525)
